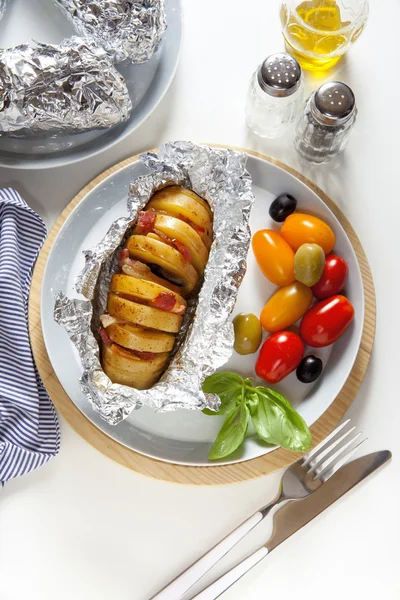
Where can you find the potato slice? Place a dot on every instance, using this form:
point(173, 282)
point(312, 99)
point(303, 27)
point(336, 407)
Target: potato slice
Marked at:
point(137, 338)
point(147, 275)
point(122, 367)
point(146, 290)
point(147, 316)
point(175, 191)
point(177, 201)
point(129, 379)
point(186, 235)
point(153, 251)
point(196, 262)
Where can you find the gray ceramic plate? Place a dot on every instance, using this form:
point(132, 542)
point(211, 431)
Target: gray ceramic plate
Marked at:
point(186, 436)
point(41, 20)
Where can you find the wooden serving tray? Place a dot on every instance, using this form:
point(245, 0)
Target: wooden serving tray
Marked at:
point(210, 475)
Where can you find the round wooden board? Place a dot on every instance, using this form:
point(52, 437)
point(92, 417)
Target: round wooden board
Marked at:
point(214, 475)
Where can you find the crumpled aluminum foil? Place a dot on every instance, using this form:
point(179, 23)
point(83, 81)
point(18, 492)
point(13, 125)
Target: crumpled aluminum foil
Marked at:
point(206, 337)
point(127, 29)
point(72, 87)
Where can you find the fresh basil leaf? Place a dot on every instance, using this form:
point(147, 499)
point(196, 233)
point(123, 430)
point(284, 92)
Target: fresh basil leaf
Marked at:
point(228, 403)
point(210, 413)
point(276, 422)
point(251, 400)
point(229, 388)
point(222, 382)
point(232, 432)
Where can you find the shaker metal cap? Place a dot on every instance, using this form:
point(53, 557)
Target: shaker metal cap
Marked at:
point(333, 103)
point(279, 75)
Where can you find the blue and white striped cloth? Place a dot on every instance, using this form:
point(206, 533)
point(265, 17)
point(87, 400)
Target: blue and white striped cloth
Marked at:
point(29, 431)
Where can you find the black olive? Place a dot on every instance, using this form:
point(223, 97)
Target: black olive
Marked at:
point(282, 207)
point(309, 369)
point(157, 270)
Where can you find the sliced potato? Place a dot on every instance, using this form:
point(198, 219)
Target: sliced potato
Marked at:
point(130, 379)
point(154, 236)
point(150, 250)
point(196, 262)
point(177, 201)
point(148, 275)
point(146, 290)
point(138, 338)
point(147, 316)
point(175, 191)
point(186, 235)
point(139, 326)
point(122, 367)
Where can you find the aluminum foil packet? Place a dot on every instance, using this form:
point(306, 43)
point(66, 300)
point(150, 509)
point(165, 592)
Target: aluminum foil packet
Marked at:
point(69, 88)
point(127, 29)
point(205, 341)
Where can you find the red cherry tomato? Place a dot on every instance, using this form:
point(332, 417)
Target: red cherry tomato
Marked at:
point(280, 354)
point(326, 321)
point(333, 278)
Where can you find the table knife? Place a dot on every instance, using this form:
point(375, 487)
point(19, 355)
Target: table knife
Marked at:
point(295, 515)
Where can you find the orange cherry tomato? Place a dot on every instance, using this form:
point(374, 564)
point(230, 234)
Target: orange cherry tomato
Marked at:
point(274, 256)
point(299, 229)
point(286, 306)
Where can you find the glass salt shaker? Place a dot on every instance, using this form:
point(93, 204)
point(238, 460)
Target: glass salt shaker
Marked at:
point(324, 127)
point(275, 95)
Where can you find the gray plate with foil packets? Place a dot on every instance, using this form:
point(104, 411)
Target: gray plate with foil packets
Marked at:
point(147, 84)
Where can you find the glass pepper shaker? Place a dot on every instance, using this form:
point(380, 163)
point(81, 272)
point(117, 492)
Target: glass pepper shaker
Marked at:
point(275, 95)
point(324, 127)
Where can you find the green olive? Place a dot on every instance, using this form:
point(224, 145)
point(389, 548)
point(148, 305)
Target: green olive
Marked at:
point(309, 262)
point(248, 333)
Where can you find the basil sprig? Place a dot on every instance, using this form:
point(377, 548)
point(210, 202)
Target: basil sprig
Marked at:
point(274, 419)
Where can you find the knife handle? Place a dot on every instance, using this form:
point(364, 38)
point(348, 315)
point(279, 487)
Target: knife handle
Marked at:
point(177, 588)
point(222, 584)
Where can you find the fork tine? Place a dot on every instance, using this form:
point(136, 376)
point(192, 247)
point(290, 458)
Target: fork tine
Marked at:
point(331, 461)
point(328, 474)
point(314, 451)
point(342, 461)
point(313, 464)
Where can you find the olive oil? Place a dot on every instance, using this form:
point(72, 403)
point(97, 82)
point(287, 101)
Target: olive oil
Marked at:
point(315, 33)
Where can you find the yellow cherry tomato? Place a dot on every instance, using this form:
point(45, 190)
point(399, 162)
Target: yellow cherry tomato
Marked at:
point(274, 256)
point(299, 229)
point(286, 306)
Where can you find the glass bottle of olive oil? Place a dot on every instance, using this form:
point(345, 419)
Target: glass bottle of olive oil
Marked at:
point(318, 32)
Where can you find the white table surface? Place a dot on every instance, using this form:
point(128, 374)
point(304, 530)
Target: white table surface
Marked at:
point(86, 528)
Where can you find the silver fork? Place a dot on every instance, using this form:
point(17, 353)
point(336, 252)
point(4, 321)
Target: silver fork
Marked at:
point(300, 480)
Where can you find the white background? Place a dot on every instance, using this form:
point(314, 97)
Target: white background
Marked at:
point(86, 528)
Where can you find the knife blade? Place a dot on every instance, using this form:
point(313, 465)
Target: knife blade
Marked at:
point(293, 516)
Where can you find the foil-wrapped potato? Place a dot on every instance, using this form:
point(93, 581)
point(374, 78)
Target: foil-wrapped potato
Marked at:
point(67, 88)
point(127, 29)
point(186, 230)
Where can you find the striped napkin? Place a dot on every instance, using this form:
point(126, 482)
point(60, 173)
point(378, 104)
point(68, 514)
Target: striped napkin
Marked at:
point(29, 431)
